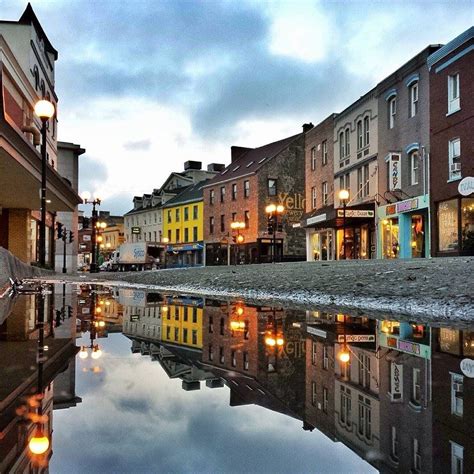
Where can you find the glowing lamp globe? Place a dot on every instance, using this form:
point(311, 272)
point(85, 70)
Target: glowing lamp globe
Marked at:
point(344, 356)
point(39, 444)
point(343, 194)
point(270, 208)
point(280, 208)
point(44, 109)
point(83, 353)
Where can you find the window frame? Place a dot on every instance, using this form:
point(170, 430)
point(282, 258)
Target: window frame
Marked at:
point(414, 95)
point(360, 141)
point(313, 158)
point(454, 101)
point(414, 170)
point(324, 147)
point(454, 175)
point(274, 187)
point(392, 112)
point(325, 193)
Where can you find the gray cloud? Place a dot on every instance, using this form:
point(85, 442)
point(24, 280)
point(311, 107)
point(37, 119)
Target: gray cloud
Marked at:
point(138, 145)
point(92, 173)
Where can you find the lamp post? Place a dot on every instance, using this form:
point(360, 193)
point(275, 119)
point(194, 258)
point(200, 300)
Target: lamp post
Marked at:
point(95, 201)
point(273, 211)
point(344, 196)
point(165, 241)
point(44, 110)
point(239, 238)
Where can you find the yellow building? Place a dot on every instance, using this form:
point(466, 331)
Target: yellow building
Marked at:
point(182, 324)
point(183, 227)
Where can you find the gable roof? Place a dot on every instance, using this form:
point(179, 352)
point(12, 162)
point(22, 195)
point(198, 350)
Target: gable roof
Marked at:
point(190, 194)
point(251, 161)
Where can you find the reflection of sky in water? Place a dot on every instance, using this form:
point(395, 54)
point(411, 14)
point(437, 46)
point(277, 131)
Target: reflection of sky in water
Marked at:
point(133, 418)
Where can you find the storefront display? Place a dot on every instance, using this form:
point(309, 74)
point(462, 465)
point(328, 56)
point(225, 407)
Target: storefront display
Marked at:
point(322, 246)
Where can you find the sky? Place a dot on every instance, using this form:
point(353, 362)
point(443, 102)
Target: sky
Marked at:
point(145, 85)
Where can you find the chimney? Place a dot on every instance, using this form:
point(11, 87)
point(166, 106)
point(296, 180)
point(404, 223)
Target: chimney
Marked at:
point(215, 167)
point(192, 165)
point(237, 151)
point(307, 127)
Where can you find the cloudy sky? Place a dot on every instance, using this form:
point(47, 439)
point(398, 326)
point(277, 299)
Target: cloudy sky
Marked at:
point(145, 85)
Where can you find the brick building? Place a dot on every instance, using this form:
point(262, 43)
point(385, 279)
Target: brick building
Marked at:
point(403, 147)
point(27, 74)
point(257, 177)
point(452, 146)
point(319, 190)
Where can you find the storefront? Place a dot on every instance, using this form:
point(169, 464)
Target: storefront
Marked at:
point(184, 255)
point(320, 238)
point(455, 222)
point(403, 229)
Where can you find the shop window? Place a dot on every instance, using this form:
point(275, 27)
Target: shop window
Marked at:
point(390, 242)
point(448, 226)
point(417, 236)
point(414, 167)
point(467, 225)
point(454, 150)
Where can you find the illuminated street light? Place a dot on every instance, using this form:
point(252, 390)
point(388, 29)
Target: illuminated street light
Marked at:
point(39, 443)
point(344, 196)
point(86, 197)
point(273, 211)
point(344, 356)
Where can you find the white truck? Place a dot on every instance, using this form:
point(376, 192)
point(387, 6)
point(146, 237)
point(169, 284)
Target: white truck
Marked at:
point(136, 257)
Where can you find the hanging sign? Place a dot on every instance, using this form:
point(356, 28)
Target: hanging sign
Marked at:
point(467, 368)
point(395, 175)
point(356, 213)
point(466, 186)
point(356, 338)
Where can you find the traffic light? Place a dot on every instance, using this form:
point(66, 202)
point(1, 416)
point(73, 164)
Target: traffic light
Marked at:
point(270, 225)
point(85, 222)
point(280, 227)
point(60, 230)
point(69, 311)
point(71, 236)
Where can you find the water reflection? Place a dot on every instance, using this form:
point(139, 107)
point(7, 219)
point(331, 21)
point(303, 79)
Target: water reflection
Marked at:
point(390, 391)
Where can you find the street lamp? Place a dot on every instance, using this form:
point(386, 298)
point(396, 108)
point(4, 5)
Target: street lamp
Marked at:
point(95, 201)
point(44, 110)
point(273, 211)
point(239, 238)
point(344, 196)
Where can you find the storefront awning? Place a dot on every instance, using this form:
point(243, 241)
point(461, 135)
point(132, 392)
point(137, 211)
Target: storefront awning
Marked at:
point(184, 247)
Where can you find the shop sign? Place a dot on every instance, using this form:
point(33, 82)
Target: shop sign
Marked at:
point(316, 332)
point(396, 381)
point(356, 338)
point(395, 177)
point(316, 219)
point(135, 230)
point(134, 317)
point(408, 347)
point(294, 206)
point(406, 206)
point(467, 368)
point(391, 209)
point(86, 238)
point(466, 186)
point(355, 213)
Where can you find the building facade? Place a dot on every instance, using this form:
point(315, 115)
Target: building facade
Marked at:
point(27, 61)
point(257, 177)
point(403, 229)
point(452, 146)
point(319, 174)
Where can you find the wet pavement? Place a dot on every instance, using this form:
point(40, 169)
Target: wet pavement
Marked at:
point(127, 380)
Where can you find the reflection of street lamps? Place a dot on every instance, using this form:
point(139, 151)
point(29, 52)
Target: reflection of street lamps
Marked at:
point(239, 238)
point(86, 196)
point(273, 211)
point(44, 110)
point(274, 338)
point(344, 196)
point(94, 348)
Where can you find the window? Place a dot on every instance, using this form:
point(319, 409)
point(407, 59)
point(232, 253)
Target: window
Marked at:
point(169, 216)
point(194, 337)
point(211, 352)
point(211, 225)
point(211, 324)
point(348, 142)
point(325, 193)
point(448, 239)
point(413, 99)
point(414, 162)
point(366, 181)
point(195, 234)
point(186, 234)
point(360, 142)
point(416, 455)
point(325, 357)
point(314, 354)
point(247, 219)
point(313, 158)
point(195, 315)
point(177, 215)
point(178, 236)
point(364, 370)
point(221, 326)
point(272, 187)
point(359, 182)
point(392, 110)
point(365, 418)
point(346, 405)
point(325, 152)
point(416, 387)
point(454, 159)
point(454, 97)
point(221, 355)
point(185, 314)
point(394, 444)
point(313, 394)
point(366, 131)
point(313, 197)
point(234, 192)
point(185, 335)
point(325, 400)
point(176, 334)
point(186, 213)
point(457, 458)
point(341, 145)
point(467, 223)
point(222, 193)
point(169, 235)
point(246, 360)
point(222, 223)
point(212, 196)
point(195, 212)
point(457, 389)
point(154, 236)
point(246, 189)
point(234, 216)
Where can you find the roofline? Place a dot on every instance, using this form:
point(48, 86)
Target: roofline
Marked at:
point(356, 103)
point(450, 47)
point(72, 146)
point(180, 203)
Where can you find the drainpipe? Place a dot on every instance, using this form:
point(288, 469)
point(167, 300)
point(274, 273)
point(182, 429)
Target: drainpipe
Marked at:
point(34, 131)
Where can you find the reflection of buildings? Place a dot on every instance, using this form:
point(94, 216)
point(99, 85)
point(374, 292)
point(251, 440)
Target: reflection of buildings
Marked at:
point(405, 402)
point(453, 402)
point(19, 377)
